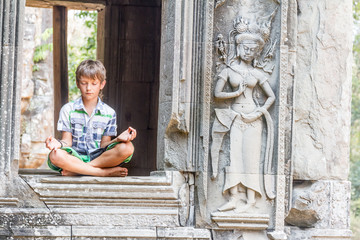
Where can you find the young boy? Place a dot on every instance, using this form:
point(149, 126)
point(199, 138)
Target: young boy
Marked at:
point(87, 125)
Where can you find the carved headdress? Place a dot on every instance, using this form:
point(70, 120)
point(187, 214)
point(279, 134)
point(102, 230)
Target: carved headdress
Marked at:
point(255, 29)
point(246, 30)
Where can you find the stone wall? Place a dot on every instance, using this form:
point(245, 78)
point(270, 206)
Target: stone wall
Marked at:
point(321, 124)
point(37, 91)
point(309, 197)
point(322, 91)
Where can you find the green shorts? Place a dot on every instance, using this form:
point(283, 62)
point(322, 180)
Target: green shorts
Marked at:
point(84, 158)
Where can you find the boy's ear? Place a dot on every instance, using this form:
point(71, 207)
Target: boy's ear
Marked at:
point(77, 84)
point(103, 84)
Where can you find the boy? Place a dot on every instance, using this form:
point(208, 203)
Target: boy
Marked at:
point(87, 125)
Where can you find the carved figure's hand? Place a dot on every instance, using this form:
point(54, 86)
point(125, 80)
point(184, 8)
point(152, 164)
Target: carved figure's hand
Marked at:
point(241, 89)
point(127, 135)
point(52, 143)
point(239, 92)
point(250, 117)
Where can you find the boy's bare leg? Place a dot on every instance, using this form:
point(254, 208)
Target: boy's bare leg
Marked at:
point(114, 156)
point(71, 165)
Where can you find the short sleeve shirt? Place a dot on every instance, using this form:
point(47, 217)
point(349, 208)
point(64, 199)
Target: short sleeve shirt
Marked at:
point(86, 130)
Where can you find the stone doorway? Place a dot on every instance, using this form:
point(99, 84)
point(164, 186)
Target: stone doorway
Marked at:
point(129, 46)
point(132, 58)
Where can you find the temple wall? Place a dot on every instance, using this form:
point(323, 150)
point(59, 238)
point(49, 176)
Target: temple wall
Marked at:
point(253, 133)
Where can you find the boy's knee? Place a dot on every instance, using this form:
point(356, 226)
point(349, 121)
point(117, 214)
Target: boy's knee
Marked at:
point(56, 157)
point(125, 148)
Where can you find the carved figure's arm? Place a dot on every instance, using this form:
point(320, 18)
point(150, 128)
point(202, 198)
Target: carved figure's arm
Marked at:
point(269, 101)
point(269, 92)
point(225, 95)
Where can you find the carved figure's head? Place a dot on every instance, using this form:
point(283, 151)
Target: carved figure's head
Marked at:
point(248, 50)
point(250, 36)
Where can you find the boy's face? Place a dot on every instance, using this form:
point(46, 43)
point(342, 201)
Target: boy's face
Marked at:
point(90, 88)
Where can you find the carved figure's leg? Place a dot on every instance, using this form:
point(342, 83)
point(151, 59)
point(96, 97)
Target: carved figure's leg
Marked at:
point(233, 200)
point(251, 201)
point(242, 193)
point(250, 197)
point(251, 156)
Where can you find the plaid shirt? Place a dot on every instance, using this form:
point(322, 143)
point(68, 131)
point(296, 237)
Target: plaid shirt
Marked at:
point(86, 130)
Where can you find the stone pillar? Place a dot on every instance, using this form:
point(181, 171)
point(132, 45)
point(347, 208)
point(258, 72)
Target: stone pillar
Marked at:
point(12, 13)
point(321, 122)
point(14, 192)
point(184, 95)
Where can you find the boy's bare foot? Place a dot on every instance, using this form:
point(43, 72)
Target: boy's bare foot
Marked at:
point(105, 172)
point(68, 173)
point(117, 172)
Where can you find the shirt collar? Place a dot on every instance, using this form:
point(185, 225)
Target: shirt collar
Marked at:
point(79, 105)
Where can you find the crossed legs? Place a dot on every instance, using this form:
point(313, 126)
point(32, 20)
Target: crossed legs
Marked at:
point(106, 165)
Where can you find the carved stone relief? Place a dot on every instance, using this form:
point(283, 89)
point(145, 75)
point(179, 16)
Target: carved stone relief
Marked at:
point(243, 71)
point(246, 111)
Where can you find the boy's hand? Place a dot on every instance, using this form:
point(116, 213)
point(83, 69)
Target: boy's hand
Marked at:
point(127, 135)
point(52, 143)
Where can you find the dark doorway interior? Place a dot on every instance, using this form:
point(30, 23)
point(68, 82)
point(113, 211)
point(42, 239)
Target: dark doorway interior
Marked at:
point(131, 57)
point(129, 45)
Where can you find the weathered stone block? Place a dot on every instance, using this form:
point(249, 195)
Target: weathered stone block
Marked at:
point(322, 90)
point(321, 204)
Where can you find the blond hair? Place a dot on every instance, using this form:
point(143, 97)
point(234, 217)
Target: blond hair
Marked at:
point(91, 69)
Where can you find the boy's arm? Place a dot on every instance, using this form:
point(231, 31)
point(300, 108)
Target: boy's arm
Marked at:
point(105, 140)
point(66, 139)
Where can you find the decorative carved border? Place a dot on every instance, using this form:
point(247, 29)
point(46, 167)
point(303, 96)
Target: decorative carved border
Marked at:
point(206, 98)
point(279, 233)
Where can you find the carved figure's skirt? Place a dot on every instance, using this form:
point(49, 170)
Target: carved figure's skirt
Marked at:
point(245, 155)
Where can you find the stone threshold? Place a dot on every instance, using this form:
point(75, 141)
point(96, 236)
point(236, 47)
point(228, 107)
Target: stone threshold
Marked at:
point(146, 201)
point(106, 232)
point(99, 207)
point(159, 190)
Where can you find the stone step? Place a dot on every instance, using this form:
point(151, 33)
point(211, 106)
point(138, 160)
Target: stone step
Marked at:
point(104, 202)
point(150, 180)
point(104, 191)
point(160, 190)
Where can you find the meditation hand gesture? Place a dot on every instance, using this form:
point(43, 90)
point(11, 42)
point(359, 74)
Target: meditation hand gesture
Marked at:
point(127, 135)
point(52, 143)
